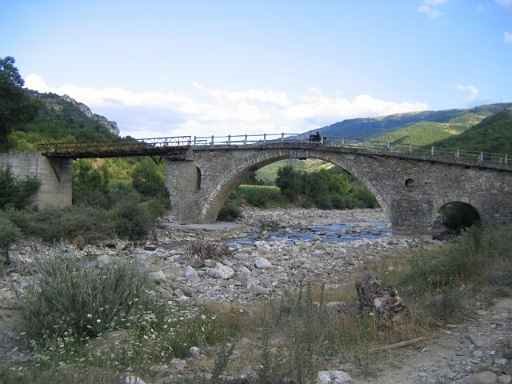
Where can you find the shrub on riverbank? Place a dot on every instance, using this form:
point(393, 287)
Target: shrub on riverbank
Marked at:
point(130, 219)
point(262, 196)
point(106, 319)
point(443, 280)
point(71, 300)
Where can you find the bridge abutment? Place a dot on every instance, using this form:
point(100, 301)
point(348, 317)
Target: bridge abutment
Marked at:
point(183, 181)
point(55, 176)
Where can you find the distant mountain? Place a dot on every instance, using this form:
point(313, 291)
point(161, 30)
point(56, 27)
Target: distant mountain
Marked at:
point(63, 118)
point(452, 121)
point(493, 134)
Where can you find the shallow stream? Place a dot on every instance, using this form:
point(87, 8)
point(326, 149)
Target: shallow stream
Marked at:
point(328, 233)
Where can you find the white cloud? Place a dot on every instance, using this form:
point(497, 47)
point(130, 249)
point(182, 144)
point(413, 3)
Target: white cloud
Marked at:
point(470, 91)
point(508, 37)
point(207, 111)
point(431, 8)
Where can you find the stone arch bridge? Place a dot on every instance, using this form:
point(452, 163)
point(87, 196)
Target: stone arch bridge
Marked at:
point(410, 183)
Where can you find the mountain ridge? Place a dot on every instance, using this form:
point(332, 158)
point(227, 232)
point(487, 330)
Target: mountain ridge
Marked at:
point(365, 128)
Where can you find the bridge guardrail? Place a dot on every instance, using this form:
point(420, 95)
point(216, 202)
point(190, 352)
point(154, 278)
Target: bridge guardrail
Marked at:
point(127, 144)
point(375, 147)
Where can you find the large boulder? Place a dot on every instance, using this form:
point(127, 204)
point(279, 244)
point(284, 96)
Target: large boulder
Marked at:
point(262, 263)
point(334, 377)
point(485, 377)
point(221, 271)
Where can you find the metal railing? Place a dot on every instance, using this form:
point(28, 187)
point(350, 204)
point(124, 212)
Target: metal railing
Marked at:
point(370, 147)
point(121, 146)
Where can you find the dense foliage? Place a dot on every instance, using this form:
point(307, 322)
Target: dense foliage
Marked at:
point(325, 189)
point(29, 117)
point(63, 119)
point(16, 107)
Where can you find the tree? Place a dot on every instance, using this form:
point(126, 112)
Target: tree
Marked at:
point(9, 233)
point(16, 106)
point(291, 182)
point(90, 184)
point(148, 181)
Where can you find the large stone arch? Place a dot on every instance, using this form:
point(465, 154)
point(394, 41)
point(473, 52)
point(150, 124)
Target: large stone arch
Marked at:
point(411, 191)
point(215, 198)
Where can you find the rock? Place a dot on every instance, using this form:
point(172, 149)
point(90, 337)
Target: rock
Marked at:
point(221, 271)
point(104, 260)
point(194, 352)
point(244, 274)
point(157, 276)
point(129, 379)
point(262, 263)
point(334, 377)
point(485, 377)
point(505, 379)
point(254, 287)
point(191, 274)
point(150, 247)
point(179, 364)
point(478, 340)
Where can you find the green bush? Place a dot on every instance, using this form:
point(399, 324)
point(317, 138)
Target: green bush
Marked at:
point(71, 300)
point(148, 180)
point(261, 196)
point(439, 279)
point(9, 233)
point(90, 184)
point(131, 220)
point(15, 192)
point(231, 209)
point(91, 224)
point(325, 189)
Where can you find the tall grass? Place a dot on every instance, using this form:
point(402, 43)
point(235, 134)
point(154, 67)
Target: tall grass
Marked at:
point(72, 300)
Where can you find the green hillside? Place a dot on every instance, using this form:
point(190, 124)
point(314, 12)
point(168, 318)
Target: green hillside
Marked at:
point(428, 132)
point(365, 128)
point(493, 134)
point(64, 119)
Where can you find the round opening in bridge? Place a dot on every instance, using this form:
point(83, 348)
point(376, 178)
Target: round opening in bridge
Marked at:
point(409, 183)
point(454, 217)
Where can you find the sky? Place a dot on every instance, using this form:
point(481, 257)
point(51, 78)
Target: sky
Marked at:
point(166, 67)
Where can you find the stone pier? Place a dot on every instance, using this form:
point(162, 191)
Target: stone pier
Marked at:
point(55, 176)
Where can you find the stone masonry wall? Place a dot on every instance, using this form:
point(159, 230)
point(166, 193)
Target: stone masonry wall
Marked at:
point(411, 208)
point(55, 176)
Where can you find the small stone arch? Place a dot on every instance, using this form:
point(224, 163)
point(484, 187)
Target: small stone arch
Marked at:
point(409, 183)
point(453, 217)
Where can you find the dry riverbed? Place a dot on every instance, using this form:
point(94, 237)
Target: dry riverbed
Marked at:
point(271, 252)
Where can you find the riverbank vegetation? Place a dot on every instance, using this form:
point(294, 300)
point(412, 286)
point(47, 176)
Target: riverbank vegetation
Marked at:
point(324, 188)
point(106, 203)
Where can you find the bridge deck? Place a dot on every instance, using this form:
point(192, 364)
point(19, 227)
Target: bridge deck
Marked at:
point(177, 148)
